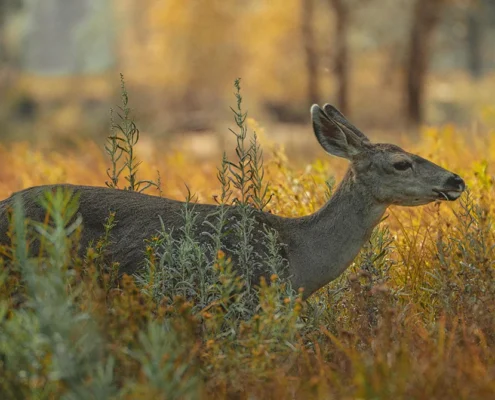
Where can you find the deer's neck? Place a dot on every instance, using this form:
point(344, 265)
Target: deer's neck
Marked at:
point(330, 239)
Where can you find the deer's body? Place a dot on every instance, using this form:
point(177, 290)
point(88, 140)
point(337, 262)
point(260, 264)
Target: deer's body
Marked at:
point(318, 247)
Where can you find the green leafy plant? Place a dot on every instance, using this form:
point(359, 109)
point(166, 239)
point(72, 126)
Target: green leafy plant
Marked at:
point(120, 147)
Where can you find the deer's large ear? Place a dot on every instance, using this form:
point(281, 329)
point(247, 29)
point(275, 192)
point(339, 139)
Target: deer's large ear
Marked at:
point(333, 136)
point(336, 115)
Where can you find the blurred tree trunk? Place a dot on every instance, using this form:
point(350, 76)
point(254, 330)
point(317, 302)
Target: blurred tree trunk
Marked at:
point(473, 42)
point(341, 67)
point(7, 7)
point(9, 60)
point(209, 24)
point(3, 12)
point(307, 22)
point(425, 19)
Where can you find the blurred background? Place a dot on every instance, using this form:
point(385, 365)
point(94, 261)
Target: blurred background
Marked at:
point(390, 65)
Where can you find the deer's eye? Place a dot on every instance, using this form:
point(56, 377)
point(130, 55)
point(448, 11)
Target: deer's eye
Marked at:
point(402, 165)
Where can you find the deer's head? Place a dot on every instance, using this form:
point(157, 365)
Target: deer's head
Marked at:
point(390, 174)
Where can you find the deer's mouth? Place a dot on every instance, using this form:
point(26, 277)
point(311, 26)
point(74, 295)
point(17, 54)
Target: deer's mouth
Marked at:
point(449, 195)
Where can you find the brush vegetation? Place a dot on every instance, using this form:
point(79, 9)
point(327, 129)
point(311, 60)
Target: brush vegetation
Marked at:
point(411, 318)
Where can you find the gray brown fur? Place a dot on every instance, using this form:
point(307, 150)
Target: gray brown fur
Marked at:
point(319, 247)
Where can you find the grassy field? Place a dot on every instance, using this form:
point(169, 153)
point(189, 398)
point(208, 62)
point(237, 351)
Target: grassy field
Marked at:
point(412, 318)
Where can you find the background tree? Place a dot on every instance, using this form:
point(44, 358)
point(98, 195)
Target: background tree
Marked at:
point(341, 55)
point(426, 17)
point(308, 38)
point(7, 8)
point(474, 25)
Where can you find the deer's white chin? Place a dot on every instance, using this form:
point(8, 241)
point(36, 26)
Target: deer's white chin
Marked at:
point(449, 195)
point(453, 195)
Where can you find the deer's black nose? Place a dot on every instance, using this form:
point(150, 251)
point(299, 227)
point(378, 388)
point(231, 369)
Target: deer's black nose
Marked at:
point(456, 182)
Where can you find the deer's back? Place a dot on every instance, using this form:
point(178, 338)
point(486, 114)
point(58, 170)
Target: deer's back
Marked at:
point(137, 217)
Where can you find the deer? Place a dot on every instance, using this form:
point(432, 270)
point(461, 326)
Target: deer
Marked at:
point(318, 247)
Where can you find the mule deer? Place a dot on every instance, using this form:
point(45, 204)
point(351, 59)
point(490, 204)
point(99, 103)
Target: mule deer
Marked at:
point(319, 247)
